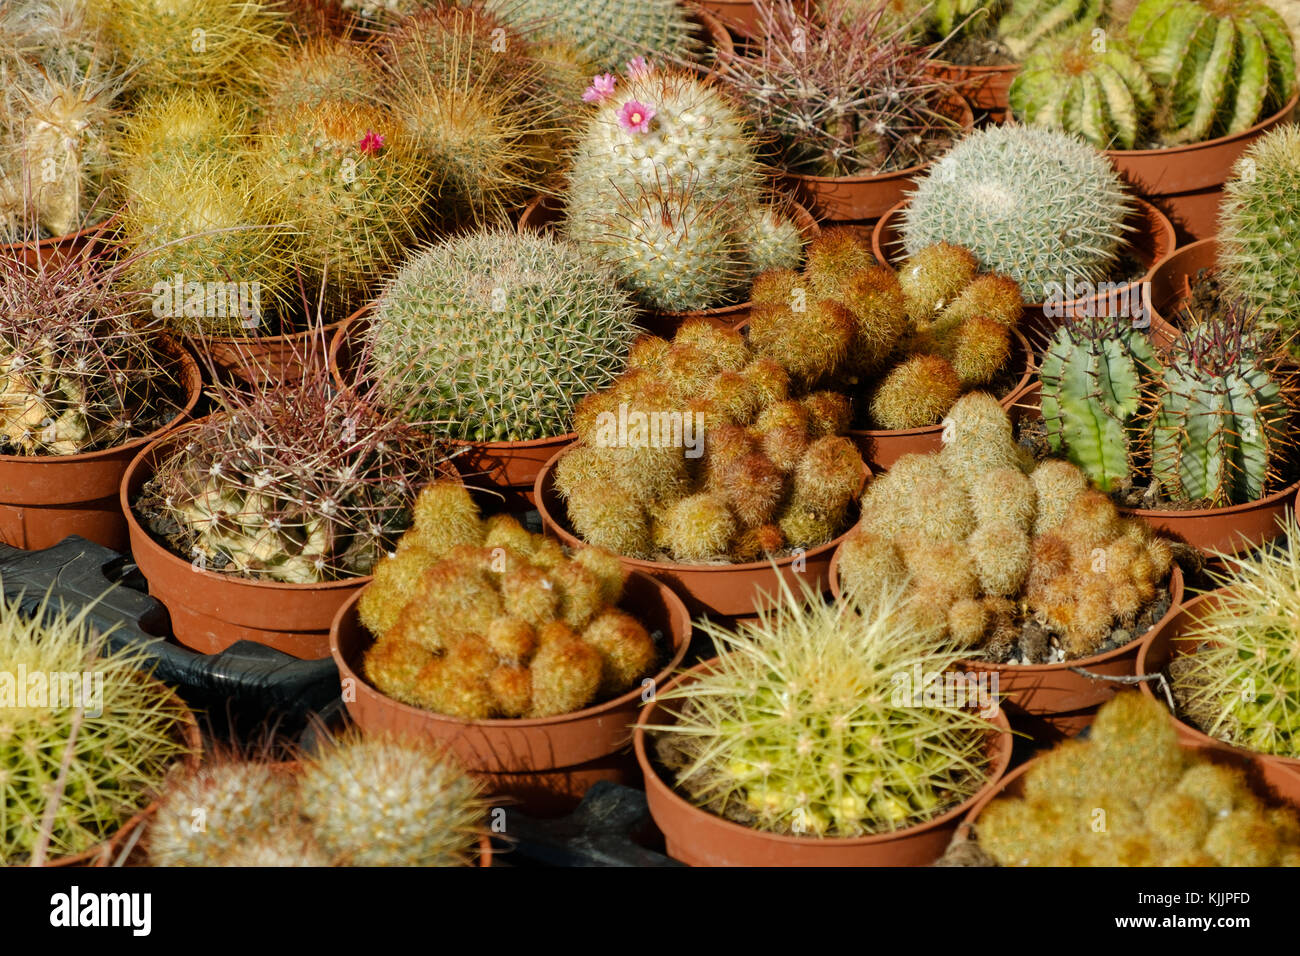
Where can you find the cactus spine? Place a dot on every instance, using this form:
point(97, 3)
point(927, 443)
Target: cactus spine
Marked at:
point(607, 32)
point(1029, 22)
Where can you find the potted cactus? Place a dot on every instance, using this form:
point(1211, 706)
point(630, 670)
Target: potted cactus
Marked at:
point(1133, 794)
point(816, 81)
point(714, 463)
point(745, 767)
point(84, 387)
point(1230, 657)
point(1022, 565)
point(1042, 207)
point(527, 661)
point(84, 749)
point(372, 801)
point(490, 339)
point(259, 521)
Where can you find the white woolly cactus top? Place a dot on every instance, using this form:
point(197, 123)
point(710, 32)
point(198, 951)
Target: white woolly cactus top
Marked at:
point(1038, 205)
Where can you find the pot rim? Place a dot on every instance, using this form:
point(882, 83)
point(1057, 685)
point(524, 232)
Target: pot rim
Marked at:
point(999, 762)
point(675, 608)
point(87, 232)
point(1275, 119)
point(284, 337)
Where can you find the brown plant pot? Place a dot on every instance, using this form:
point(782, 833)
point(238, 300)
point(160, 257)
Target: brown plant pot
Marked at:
point(1171, 285)
point(270, 359)
point(865, 198)
point(882, 447)
point(1152, 240)
point(1186, 182)
point(87, 243)
point(740, 16)
point(547, 763)
point(726, 591)
point(1212, 531)
point(545, 211)
point(210, 610)
point(700, 838)
point(719, 37)
point(986, 88)
point(45, 498)
point(1169, 640)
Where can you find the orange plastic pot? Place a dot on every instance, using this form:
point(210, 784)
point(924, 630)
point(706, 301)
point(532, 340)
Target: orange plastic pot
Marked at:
point(1152, 239)
point(210, 610)
point(271, 359)
point(51, 253)
point(986, 88)
point(545, 211)
point(1171, 285)
point(740, 16)
point(701, 838)
point(45, 498)
point(547, 763)
point(725, 591)
point(1170, 640)
point(1186, 182)
point(868, 197)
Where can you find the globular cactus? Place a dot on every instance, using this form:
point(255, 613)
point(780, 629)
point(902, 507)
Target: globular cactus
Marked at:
point(1131, 796)
point(495, 336)
point(117, 730)
point(1027, 23)
point(1222, 416)
point(1038, 205)
point(1094, 374)
point(854, 758)
point(1224, 65)
point(1103, 95)
point(322, 70)
point(1259, 251)
point(607, 32)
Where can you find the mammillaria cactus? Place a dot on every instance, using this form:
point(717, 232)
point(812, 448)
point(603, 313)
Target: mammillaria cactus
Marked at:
point(322, 70)
point(1038, 205)
point(496, 336)
point(851, 759)
point(607, 32)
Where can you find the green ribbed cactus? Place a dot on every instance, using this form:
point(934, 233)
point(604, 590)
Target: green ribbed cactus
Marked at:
point(1224, 64)
point(1223, 414)
point(608, 32)
point(1259, 230)
point(496, 336)
point(1097, 90)
point(1037, 205)
point(1030, 22)
point(1093, 376)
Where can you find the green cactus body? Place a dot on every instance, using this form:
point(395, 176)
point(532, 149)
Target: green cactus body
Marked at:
point(1029, 22)
point(608, 32)
point(1092, 382)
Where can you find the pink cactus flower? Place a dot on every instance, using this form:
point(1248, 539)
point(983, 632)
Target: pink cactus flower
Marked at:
point(371, 143)
point(601, 87)
point(637, 67)
point(635, 117)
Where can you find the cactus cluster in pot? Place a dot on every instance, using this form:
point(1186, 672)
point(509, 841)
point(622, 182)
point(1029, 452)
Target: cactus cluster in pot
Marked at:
point(477, 618)
point(905, 343)
point(86, 736)
point(709, 451)
point(373, 801)
point(1015, 560)
point(798, 726)
point(1205, 422)
point(1237, 675)
point(1129, 795)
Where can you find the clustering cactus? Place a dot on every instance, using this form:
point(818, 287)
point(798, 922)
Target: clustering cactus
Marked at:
point(707, 451)
point(377, 801)
point(1225, 64)
point(843, 96)
point(495, 336)
point(1259, 235)
point(1129, 795)
point(607, 32)
point(77, 372)
point(916, 339)
point(750, 742)
point(1014, 560)
point(1237, 677)
point(480, 619)
point(1027, 23)
point(64, 697)
point(322, 70)
point(1038, 205)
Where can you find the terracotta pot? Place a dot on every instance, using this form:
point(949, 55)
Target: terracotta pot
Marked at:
point(86, 243)
point(269, 359)
point(1169, 640)
point(1186, 182)
point(547, 763)
point(1171, 285)
point(1212, 531)
point(545, 211)
point(986, 88)
point(210, 610)
point(1152, 240)
point(701, 838)
point(839, 199)
point(882, 447)
point(45, 498)
point(740, 16)
point(509, 467)
point(725, 591)
point(724, 47)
